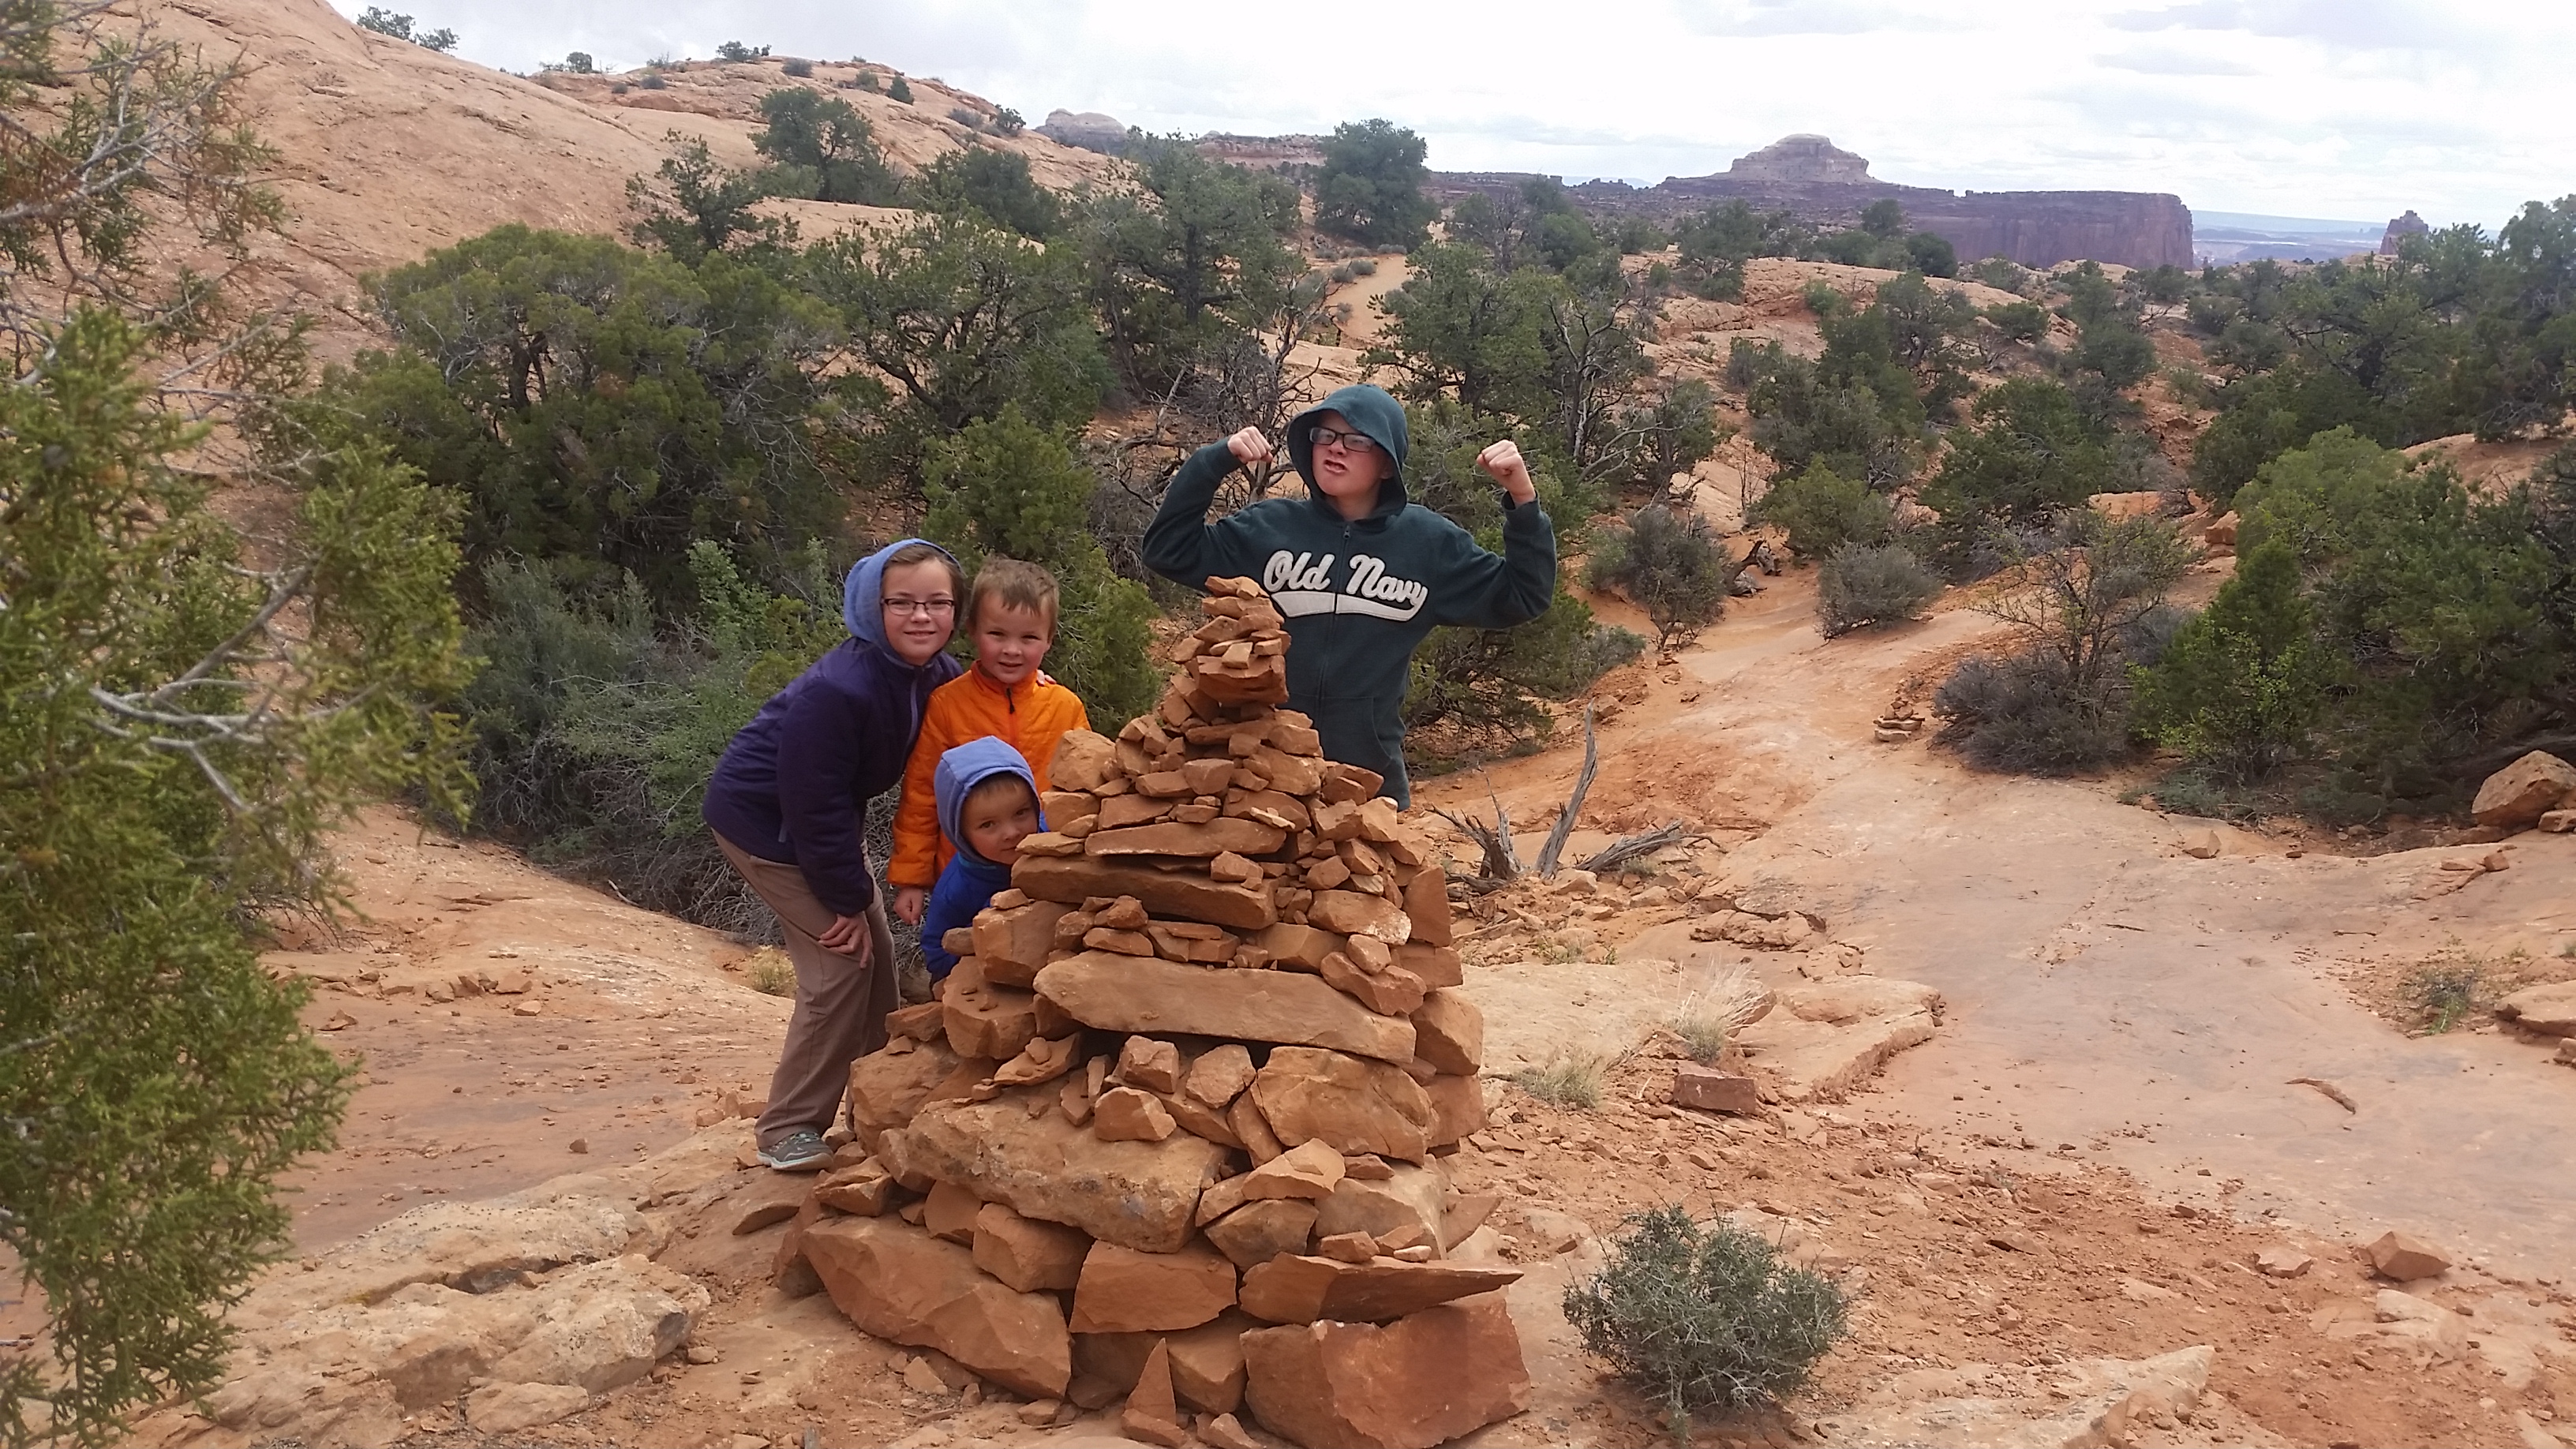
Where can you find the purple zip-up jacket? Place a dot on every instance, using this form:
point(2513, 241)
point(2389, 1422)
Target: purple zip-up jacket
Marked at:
point(794, 785)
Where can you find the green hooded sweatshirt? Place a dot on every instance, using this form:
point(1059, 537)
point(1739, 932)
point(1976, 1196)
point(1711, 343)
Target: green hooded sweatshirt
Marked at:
point(1358, 595)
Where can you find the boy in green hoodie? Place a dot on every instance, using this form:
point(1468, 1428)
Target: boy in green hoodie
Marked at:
point(1359, 571)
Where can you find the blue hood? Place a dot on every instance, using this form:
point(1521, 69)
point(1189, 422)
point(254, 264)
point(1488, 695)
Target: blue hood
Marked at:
point(861, 608)
point(961, 770)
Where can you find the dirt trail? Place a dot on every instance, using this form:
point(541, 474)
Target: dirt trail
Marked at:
point(2107, 991)
point(624, 1026)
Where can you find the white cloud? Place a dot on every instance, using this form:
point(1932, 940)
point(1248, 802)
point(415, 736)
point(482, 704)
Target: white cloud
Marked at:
point(2355, 108)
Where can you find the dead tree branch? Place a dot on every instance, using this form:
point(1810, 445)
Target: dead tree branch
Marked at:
point(1501, 862)
point(1573, 803)
point(1631, 847)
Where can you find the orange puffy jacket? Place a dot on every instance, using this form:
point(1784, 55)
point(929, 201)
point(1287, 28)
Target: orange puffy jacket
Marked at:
point(1030, 719)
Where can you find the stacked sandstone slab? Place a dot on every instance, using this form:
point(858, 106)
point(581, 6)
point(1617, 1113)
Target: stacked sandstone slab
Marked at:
point(1174, 1131)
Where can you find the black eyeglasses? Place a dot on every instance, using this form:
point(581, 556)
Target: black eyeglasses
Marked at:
point(1351, 442)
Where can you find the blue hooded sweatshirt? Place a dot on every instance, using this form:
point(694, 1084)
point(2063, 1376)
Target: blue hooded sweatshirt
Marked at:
point(794, 785)
point(970, 882)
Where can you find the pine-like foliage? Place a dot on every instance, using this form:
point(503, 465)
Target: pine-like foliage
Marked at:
point(1009, 487)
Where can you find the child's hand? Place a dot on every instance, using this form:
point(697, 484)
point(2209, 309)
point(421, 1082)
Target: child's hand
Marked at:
point(1249, 447)
point(908, 902)
point(1503, 461)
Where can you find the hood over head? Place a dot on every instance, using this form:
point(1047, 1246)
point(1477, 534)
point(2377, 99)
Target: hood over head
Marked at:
point(862, 596)
point(1375, 413)
point(960, 770)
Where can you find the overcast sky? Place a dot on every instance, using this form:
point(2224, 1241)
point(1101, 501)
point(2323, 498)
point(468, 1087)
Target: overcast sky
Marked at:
point(2353, 109)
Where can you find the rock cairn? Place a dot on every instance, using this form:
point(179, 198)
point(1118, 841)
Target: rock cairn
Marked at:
point(1174, 1131)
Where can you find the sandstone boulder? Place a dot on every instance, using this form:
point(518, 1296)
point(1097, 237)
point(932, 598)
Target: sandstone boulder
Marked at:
point(1215, 837)
point(1028, 1255)
point(1353, 914)
point(1259, 1231)
point(1121, 1290)
point(1436, 1375)
point(1182, 895)
point(888, 1086)
point(2405, 1257)
point(509, 1408)
point(1353, 1105)
point(1391, 992)
point(1151, 1413)
point(984, 1020)
point(1138, 1194)
point(1404, 1206)
point(1457, 1108)
point(904, 1285)
point(1012, 944)
point(1082, 761)
point(1119, 993)
point(2550, 1010)
point(1218, 1076)
point(1126, 1114)
point(1709, 1090)
point(1303, 1289)
point(1449, 1033)
point(2515, 797)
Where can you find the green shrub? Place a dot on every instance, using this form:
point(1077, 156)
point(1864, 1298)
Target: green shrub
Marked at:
point(996, 185)
point(2019, 321)
point(1368, 187)
point(736, 51)
point(970, 119)
point(1863, 583)
point(2241, 686)
point(867, 80)
point(1008, 122)
point(1705, 1319)
point(825, 150)
point(604, 408)
point(2000, 273)
point(798, 68)
point(1364, 266)
point(652, 81)
point(1341, 275)
point(1823, 511)
point(2031, 453)
point(1009, 487)
point(1667, 563)
point(595, 730)
point(900, 90)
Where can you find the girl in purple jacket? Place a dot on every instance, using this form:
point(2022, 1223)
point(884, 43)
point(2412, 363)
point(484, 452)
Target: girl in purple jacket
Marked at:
point(789, 804)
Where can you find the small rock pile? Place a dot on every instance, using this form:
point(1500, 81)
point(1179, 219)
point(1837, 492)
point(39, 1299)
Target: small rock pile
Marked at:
point(1174, 1130)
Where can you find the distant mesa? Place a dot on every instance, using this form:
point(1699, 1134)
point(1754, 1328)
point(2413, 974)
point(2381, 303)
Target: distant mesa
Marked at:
point(1802, 157)
point(2399, 229)
point(1826, 186)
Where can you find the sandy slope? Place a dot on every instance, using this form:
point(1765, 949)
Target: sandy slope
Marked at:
point(2148, 1007)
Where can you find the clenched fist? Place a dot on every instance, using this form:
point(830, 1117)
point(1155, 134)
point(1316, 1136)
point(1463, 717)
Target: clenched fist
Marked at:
point(1249, 447)
point(1503, 462)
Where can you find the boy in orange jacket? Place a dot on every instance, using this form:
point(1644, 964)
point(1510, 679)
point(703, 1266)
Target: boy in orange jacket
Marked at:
point(1010, 615)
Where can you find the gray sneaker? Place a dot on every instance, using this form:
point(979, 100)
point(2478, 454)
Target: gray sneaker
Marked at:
point(802, 1150)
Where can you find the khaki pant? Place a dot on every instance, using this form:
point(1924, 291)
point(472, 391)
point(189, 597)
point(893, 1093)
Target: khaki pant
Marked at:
point(841, 1005)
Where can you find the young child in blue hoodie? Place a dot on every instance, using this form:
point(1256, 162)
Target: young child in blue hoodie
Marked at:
point(988, 804)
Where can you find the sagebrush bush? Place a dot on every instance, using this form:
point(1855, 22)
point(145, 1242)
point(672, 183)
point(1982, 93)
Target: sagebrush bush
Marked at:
point(1668, 563)
point(1822, 511)
point(1864, 583)
point(1364, 266)
point(971, 120)
point(800, 69)
point(2027, 714)
point(1705, 1318)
